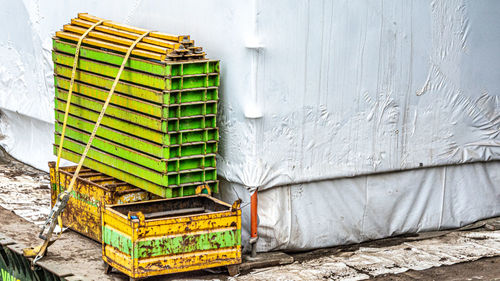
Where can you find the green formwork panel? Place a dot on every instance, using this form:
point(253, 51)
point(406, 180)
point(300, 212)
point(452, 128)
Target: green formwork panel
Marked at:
point(190, 102)
point(140, 78)
point(196, 117)
point(179, 97)
point(124, 114)
point(104, 69)
point(155, 96)
point(132, 178)
point(174, 164)
point(194, 146)
point(123, 119)
point(168, 68)
point(110, 122)
point(160, 126)
point(132, 103)
point(163, 179)
point(144, 143)
point(133, 90)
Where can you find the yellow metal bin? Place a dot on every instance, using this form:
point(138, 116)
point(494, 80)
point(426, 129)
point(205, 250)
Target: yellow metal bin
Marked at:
point(172, 235)
point(91, 192)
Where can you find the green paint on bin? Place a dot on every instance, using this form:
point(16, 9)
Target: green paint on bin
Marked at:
point(171, 245)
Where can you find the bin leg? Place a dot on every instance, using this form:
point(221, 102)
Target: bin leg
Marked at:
point(107, 268)
point(233, 269)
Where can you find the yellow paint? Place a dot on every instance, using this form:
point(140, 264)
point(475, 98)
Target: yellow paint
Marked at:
point(161, 35)
point(197, 225)
point(156, 227)
point(116, 39)
point(201, 188)
point(111, 46)
point(126, 34)
point(187, 262)
point(117, 259)
point(170, 264)
point(118, 223)
point(168, 228)
point(83, 213)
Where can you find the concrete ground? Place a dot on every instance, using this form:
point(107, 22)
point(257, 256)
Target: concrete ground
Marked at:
point(482, 269)
point(471, 253)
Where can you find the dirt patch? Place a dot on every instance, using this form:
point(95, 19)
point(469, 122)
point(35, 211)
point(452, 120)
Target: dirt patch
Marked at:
point(24, 189)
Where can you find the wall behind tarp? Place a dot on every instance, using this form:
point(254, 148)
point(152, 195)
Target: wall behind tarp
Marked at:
point(310, 91)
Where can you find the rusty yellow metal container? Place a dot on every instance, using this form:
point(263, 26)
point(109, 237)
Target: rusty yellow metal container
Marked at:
point(171, 235)
point(92, 191)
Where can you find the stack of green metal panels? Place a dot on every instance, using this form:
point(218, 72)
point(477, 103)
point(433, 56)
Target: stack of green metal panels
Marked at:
point(159, 132)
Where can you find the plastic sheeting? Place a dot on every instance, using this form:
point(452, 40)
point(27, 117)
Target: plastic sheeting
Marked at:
point(310, 90)
point(352, 210)
point(347, 88)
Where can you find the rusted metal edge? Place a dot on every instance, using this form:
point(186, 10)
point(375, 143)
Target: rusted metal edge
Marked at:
point(52, 164)
point(94, 182)
point(110, 207)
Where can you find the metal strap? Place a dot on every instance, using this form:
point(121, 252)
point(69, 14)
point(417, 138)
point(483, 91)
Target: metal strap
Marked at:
point(101, 115)
point(70, 92)
point(43, 247)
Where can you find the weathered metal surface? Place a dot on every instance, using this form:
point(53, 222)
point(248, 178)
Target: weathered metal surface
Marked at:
point(92, 191)
point(141, 247)
point(192, 173)
point(183, 144)
point(168, 68)
point(114, 120)
point(110, 46)
point(197, 106)
point(133, 63)
point(174, 190)
point(159, 131)
point(115, 111)
point(106, 83)
point(129, 128)
point(118, 99)
point(157, 82)
point(153, 81)
point(156, 34)
point(118, 39)
point(129, 35)
point(174, 164)
point(171, 97)
point(185, 117)
point(115, 36)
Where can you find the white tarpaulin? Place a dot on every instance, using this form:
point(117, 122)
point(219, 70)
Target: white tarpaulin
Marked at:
point(352, 210)
point(311, 91)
